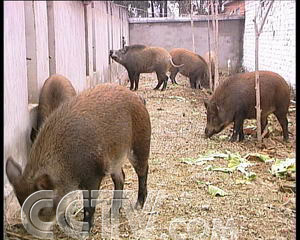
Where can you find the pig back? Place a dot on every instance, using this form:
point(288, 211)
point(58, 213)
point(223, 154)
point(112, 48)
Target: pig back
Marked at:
point(237, 93)
point(55, 91)
point(89, 134)
point(145, 59)
point(193, 63)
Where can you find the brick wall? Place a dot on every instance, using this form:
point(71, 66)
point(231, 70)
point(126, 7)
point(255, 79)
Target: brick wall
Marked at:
point(277, 42)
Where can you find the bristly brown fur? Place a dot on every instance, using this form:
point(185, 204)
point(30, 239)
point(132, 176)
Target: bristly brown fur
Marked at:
point(139, 59)
point(84, 139)
point(55, 91)
point(195, 67)
point(235, 99)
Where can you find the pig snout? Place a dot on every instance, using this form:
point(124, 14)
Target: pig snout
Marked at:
point(113, 55)
point(208, 133)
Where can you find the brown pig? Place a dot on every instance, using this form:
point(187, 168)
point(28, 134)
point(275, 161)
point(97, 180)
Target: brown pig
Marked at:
point(194, 67)
point(139, 59)
point(55, 91)
point(234, 101)
point(83, 140)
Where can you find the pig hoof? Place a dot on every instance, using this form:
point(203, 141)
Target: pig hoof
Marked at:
point(114, 212)
point(138, 206)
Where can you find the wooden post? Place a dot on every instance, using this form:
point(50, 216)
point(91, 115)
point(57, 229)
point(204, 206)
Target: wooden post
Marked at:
point(216, 46)
point(192, 27)
point(257, 89)
point(209, 57)
point(257, 86)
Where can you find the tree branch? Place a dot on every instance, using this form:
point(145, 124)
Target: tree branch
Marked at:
point(265, 17)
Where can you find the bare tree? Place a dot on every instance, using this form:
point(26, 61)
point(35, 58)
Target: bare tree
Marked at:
point(152, 8)
point(257, 86)
point(165, 8)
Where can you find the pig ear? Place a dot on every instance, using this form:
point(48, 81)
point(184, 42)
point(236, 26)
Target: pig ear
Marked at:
point(215, 107)
point(13, 170)
point(44, 182)
point(33, 134)
point(125, 49)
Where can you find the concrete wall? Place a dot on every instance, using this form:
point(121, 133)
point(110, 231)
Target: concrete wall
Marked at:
point(277, 42)
point(50, 37)
point(176, 33)
point(16, 112)
point(69, 37)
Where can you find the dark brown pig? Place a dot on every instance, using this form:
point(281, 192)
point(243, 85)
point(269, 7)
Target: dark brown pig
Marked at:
point(194, 67)
point(139, 59)
point(234, 101)
point(83, 140)
point(55, 91)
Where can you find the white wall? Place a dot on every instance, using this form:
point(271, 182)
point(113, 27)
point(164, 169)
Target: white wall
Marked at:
point(277, 43)
point(16, 114)
point(52, 36)
point(69, 32)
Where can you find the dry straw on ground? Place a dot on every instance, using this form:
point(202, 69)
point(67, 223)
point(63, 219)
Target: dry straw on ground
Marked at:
point(259, 209)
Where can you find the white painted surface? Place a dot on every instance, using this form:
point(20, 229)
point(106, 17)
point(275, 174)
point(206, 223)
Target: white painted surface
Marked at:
point(277, 43)
point(70, 41)
point(42, 53)
point(16, 114)
point(70, 60)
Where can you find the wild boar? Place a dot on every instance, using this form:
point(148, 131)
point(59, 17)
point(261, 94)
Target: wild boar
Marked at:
point(234, 100)
point(83, 140)
point(212, 61)
point(194, 67)
point(55, 91)
point(139, 59)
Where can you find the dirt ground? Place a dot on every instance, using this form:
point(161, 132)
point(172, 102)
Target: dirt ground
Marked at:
point(258, 209)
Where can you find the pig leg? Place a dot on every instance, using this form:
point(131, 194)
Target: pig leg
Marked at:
point(139, 161)
point(238, 129)
point(88, 209)
point(131, 79)
point(160, 81)
point(142, 193)
point(118, 179)
point(136, 81)
point(165, 82)
point(174, 72)
point(193, 82)
point(282, 119)
point(198, 83)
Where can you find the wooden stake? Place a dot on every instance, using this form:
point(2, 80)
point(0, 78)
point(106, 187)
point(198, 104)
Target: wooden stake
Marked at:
point(209, 57)
point(217, 47)
point(192, 27)
point(257, 86)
